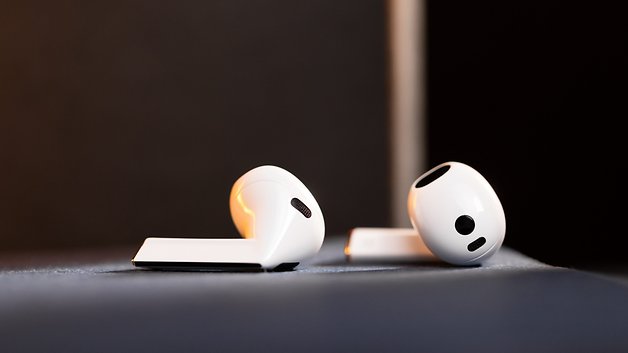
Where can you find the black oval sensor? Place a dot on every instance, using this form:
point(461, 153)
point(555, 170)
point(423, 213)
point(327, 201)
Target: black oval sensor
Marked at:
point(301, 207)
point(476, 244)
point(432, 176)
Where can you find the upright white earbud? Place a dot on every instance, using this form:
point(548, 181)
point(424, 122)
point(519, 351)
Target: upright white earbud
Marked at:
point(278, 217)
point(456, 215)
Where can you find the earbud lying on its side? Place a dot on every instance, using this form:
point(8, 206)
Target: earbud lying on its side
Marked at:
point(279, 218)
point(456, 217)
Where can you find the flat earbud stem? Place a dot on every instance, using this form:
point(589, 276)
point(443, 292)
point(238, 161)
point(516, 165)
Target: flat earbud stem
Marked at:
point(199, 254)
point(386, 245)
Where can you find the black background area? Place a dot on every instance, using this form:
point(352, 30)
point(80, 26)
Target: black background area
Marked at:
point(533, 95)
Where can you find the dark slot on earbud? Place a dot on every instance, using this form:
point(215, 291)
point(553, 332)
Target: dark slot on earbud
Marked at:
point(432, 176)
point(476, 244)
point(301, 207)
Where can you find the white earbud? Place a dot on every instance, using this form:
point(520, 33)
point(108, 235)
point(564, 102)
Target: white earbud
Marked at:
point(456, 215)
point(278, 217)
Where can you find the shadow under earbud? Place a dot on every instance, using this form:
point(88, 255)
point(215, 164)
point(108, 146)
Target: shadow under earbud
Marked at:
point(161, 267)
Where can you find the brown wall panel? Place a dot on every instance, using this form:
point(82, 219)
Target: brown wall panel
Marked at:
point(120, 120)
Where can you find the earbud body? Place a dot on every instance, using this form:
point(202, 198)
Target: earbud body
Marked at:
point(457, 214)
point(456, 217)
point(275, 213)
point(272, 206)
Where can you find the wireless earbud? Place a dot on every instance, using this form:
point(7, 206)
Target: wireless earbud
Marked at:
point(275, 213)
point(456, 216)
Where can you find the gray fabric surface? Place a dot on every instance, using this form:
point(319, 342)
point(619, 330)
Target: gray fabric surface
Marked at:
point(98, 302)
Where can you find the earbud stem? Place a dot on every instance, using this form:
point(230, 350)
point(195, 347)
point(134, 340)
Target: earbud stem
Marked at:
point(386, 244)
point(198, 253)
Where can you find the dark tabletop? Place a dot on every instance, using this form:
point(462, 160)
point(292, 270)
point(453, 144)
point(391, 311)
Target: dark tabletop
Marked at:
point(96, 301)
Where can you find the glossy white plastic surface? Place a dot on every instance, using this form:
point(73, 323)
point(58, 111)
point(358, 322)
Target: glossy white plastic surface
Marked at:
point(275, 231)
point(386, 244)
point(435, 207)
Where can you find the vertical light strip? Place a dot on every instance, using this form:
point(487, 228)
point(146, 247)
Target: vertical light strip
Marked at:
point(406, 21)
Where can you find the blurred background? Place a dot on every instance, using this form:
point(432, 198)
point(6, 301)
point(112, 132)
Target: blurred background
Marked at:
point(122, 120)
